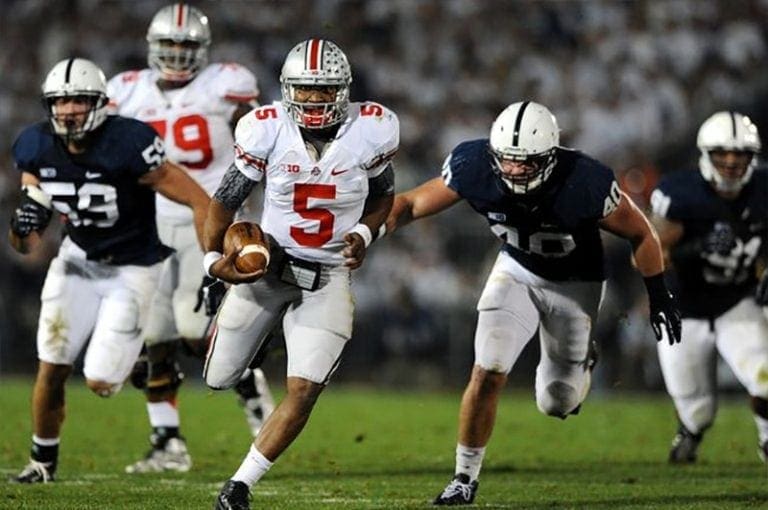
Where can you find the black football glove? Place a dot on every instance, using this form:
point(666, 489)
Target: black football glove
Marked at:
point(665, 317)
point(29, 216)
point(721, 240)
point(211, 294)
point(761, 294)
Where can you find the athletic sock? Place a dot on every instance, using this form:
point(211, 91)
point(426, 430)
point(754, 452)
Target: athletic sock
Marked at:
point(254, 466)
point(45, 450)
point(469, 460)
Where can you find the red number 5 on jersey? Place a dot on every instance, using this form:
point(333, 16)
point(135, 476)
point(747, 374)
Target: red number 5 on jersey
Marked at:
point(301, 195)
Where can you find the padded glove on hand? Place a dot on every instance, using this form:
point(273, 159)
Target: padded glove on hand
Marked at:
point(665, 317)
point(211, 294)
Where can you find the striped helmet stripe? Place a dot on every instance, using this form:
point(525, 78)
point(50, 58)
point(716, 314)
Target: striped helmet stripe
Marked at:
point(182, 12)
point(314, 52)
point(518, 123)
point(68, 70)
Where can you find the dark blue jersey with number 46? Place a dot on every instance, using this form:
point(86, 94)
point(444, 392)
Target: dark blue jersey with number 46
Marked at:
point(553, 232)
point(107, 212)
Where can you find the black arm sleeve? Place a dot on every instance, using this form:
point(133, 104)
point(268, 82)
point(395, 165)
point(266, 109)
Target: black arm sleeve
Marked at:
point(383, 184)
point(234, 188)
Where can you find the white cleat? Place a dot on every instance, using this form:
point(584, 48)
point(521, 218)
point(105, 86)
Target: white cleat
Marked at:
point(172, 456)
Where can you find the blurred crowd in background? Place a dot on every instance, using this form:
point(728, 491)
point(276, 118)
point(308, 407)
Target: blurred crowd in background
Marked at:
point(630, 82)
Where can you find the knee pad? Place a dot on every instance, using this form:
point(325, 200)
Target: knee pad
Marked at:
point(164, 375)
point(558, 399)
point(104, 389)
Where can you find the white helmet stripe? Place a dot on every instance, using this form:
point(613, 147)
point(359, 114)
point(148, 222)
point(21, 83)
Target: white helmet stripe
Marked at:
point(518, 123)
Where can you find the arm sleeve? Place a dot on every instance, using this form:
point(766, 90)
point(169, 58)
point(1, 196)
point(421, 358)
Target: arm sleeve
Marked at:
point(383, 132)
point(253, 144)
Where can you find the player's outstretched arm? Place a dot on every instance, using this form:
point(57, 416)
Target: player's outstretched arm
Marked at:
point(629, 222)
point(429, 198)
point(173, 183)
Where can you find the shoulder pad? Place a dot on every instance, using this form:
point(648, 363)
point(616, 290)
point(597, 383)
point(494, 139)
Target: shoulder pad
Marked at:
point(380, 128)
point(255, 137)
point(231, 81)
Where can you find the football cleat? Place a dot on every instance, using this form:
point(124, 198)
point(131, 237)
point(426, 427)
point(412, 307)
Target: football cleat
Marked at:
point(233, 496)
point(459, 492)
point(171, 455)
point(256, 399)
point(36, 472)
point(684, 446)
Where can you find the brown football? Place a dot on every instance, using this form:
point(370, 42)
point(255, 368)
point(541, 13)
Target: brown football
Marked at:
point(249, 241)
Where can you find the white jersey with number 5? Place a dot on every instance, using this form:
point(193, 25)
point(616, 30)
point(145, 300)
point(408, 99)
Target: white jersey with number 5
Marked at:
point(309, 204)
point(194, 120)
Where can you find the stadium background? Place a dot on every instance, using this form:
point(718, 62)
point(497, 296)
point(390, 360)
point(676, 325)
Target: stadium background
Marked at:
point(630, 82)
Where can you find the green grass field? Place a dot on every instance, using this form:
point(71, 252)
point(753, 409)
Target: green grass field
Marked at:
point(375, 449)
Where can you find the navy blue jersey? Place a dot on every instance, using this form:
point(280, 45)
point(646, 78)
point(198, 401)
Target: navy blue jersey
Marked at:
point(711, 283)
point(107, 212)
point(553, 232)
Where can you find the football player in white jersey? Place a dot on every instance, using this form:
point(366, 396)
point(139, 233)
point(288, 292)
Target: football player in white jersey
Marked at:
point(328, 186)
point(194, 107)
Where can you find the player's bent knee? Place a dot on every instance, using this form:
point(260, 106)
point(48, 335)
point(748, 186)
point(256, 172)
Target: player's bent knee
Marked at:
point(558, 399)
point(102, 388)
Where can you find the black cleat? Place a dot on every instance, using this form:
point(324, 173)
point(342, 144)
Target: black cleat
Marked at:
point(233, 496)
point(36, 472)
point(684, 446)
point(459, 492)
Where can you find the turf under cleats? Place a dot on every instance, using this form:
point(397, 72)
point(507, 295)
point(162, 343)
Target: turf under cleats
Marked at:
point(685, 446)
point(459, 492)
point(170, 455)
point(233, 496)
point(36, 472)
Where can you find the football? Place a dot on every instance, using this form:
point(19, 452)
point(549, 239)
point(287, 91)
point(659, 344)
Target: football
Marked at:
point(252, 246)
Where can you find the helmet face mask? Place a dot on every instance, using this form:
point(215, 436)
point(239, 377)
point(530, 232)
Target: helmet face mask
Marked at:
point(75, 98)
point(315, 83)
point(728, 142)
point(523, 144)
point(178, 37)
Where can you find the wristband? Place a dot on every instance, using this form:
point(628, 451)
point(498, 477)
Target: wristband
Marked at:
point(209, 259)
point(365, 232)
point(655, 285)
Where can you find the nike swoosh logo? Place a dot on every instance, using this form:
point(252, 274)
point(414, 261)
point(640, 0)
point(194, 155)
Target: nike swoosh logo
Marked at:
point(336, 171)
point(92, 175)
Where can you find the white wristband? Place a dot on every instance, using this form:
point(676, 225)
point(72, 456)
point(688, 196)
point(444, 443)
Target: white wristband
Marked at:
point(365, 233)
point(209, 259)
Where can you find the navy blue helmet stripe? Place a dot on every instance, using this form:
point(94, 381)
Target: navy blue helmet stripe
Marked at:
point(69, 70)
point(518, 122)
point(733, 124)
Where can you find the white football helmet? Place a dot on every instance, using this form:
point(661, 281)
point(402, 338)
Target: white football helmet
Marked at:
point(75, 77)
point(178, 23)
point(525, 132)
point(311, 63)
point(727, 131)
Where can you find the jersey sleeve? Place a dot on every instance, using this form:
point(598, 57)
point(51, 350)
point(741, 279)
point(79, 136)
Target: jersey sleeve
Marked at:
point(145, 150)
point(236, 84)
point(255, 136)
point(119, 88)
point(26, 149)
point(382, 128)
point(458, 165)
point(668, 200)
point(599, 193)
